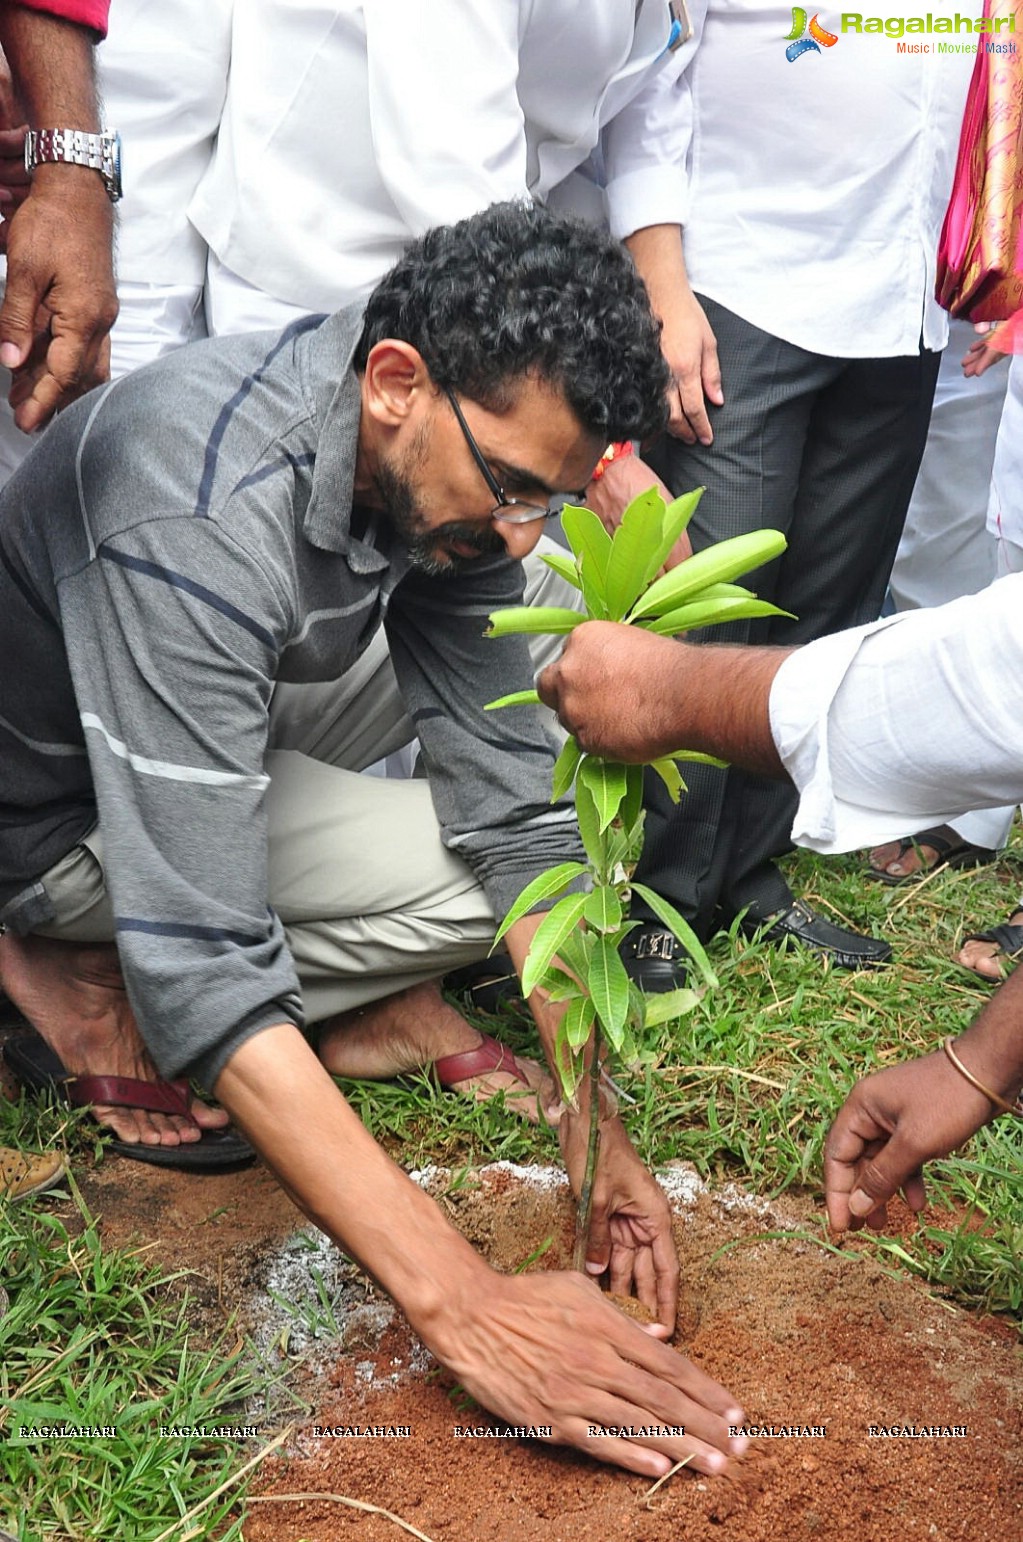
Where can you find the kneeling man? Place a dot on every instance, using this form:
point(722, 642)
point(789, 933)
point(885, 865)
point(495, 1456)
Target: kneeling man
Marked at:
point(228, 529)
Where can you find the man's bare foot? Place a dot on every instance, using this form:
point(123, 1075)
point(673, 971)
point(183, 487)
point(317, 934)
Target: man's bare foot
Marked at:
point(985, 956)
point(918, 854)
point(74, 995)
point(411, 1030)
point(897, 860)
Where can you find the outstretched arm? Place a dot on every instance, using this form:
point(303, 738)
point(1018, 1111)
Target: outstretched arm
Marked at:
point(60, 300)
point(713, 698)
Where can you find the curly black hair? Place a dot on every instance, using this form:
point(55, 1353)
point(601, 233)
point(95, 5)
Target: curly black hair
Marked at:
point(516, 290)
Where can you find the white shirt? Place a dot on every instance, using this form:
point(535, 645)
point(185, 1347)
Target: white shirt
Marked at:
point(350, 127)
point(163, 76)
point(818, 186)
point(906, 722)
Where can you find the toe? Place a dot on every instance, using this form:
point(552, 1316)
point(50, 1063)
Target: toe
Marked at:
point(208, 1118)
point(981, 958)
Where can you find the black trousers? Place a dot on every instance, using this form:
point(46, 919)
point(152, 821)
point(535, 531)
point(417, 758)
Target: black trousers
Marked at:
point(825, 450)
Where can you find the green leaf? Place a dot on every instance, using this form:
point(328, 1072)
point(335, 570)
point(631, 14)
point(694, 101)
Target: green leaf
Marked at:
point(726, 592)
point(565, 768)
point(609, 987)
point(605, 780)
point(675, 519)
point(552, 882)
point(592, 546)
point(710, 613)
point(562, 986)
point(575, 952)
point(639, 530)
point(662, 1007)
point(587, 537)
point(603, 909)
point(588, 820)
point(556, 925)
point(632, 803)
point(569, 1063)
point(578, 1022)
point(533, 618)
point(680, 927)
point(669, 774)
point(564, 565)
point(698, 758)
point(516, 699)
point(718, 564)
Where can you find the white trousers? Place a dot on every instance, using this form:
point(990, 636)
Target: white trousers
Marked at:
point(947, 549)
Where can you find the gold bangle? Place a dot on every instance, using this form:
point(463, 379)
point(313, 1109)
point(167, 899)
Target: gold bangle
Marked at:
point(992, 1097)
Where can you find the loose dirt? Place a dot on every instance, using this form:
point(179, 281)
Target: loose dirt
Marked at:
point(802, 1336)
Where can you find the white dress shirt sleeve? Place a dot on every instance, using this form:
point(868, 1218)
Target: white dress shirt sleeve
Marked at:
point(906, 722)
point(646, 144)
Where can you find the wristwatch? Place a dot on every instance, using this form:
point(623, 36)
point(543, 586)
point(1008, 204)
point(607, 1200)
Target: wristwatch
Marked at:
point(101, 151)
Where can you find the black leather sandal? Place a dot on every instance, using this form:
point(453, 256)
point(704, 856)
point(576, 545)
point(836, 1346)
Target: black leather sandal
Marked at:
point(953, 851)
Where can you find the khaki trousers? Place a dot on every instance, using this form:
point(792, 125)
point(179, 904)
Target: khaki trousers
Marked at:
point(370, 899)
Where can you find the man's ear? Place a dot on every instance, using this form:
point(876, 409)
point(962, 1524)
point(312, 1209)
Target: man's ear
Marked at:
point(396, 382)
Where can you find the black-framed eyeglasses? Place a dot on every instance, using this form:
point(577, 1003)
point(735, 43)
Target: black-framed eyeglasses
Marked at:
point(520, 513)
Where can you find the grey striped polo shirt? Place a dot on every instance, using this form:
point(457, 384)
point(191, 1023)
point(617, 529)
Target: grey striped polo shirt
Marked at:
point(177, 542)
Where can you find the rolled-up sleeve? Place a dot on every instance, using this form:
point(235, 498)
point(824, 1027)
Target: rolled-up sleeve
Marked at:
point(905, 722)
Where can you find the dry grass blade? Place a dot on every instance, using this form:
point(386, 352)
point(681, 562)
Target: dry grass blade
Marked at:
point(236, 1477)
point(669, 1474)
point(353, 1504)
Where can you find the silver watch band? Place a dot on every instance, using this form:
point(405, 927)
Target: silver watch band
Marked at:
point(78, 147)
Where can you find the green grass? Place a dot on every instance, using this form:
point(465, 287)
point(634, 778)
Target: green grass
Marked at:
point(95, 1337)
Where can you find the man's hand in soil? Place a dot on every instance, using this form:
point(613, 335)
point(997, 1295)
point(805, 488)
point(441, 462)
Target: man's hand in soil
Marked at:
point(714, 698)
point(621, 481)
point(895, 1121)
point(630, 1229)
point(889, 1126)
point(534, 1349)
point(549, 1349)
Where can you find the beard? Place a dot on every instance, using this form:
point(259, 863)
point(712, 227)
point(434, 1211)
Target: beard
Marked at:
point(426, 545)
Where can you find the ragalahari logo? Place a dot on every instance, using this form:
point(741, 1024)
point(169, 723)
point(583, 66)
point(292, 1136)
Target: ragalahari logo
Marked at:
point(803, 39)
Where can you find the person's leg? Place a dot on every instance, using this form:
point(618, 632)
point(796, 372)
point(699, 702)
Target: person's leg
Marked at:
point(376, 909)
point(863, 449)
point(66, 981)
point(946, 549)
point(751, 476)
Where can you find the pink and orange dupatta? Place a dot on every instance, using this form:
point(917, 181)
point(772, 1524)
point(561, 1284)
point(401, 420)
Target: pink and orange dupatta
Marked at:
point(980, 256)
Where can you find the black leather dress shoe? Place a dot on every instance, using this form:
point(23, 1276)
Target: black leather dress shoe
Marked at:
point(846, 949)
point(654, 958)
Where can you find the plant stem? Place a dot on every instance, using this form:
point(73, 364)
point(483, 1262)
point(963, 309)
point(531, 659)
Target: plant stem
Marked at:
point(584, 1209)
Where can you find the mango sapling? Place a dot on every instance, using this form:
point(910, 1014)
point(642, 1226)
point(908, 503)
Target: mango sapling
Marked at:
point(574, 958)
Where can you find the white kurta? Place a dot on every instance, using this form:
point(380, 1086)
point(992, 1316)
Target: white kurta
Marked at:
point(906, 722)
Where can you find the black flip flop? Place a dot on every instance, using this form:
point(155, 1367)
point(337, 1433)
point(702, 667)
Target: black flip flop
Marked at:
point(40, 1070)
